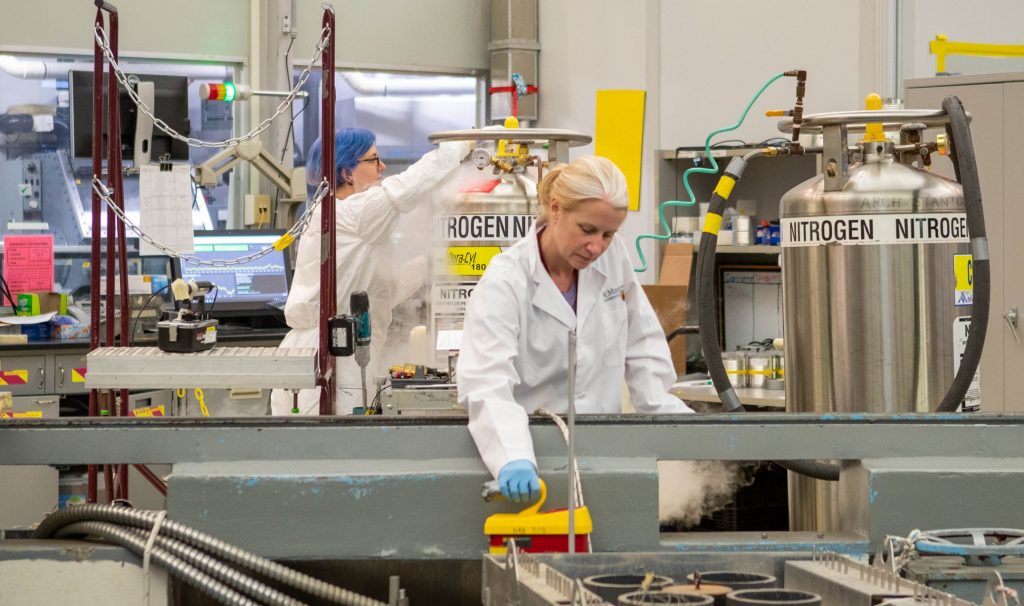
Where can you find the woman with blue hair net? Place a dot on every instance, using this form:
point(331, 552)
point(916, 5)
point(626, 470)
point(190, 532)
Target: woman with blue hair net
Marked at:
point(367, 212)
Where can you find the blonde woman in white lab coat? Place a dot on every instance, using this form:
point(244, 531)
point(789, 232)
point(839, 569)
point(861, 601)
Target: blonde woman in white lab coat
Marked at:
point(570, 272)
point(367, 212)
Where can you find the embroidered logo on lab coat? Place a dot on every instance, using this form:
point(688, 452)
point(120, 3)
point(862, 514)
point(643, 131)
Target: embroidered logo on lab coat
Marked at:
point(611, 293)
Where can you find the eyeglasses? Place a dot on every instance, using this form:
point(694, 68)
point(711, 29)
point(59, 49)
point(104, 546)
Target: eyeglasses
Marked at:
point(373, 159)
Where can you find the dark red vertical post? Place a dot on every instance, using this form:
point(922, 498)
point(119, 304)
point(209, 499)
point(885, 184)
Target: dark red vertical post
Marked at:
point(326, 378)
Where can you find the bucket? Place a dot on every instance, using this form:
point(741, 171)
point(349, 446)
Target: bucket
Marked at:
point(772, 597)
point(611, 586)
point(735, 579)
point(717, 592)
point(637, 598)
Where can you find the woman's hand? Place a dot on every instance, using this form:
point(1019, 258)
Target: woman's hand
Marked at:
point(519, 481)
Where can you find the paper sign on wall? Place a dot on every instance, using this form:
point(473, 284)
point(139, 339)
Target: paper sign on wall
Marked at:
point(28, 264)
point(165, 208)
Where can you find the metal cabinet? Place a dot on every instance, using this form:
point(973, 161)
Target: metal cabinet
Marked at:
point(996, 104)
point(23, 375)
point(152, 403)
point(69, 373)
point(47, 405)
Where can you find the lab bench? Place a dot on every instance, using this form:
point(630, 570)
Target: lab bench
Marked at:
point(753, 396)
point(38, 374)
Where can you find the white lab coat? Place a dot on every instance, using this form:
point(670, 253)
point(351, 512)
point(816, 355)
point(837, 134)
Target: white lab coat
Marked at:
point(365, 222)
point(514, 356)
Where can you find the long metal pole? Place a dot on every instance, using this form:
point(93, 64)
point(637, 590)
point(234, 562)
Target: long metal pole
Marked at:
point(94, 265)
point(152, 478)
point(121, 244)
point(109, 400)
point(572, 441)
point(111, 477)
point(326, 378)
point(897, 51)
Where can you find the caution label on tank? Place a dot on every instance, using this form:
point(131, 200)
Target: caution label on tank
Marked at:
point(963, 269)
point(909, 228)
point(456, 228)
point(469, 260)
point(961, 331)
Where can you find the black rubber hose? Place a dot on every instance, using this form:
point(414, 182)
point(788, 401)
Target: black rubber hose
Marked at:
point(177, 567)
point(708, 313)
point(966, 166)
point(706, 307)
point(682, 330)
point(225, 551)
point(819, 470)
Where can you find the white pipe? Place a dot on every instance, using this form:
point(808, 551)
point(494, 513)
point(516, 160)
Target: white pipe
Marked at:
point(439, 85)
point(25, 70)
point(255, 78)
point(897, 76)
point(37, 69)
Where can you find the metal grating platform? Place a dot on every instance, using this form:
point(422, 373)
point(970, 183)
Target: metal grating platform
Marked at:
point(221, 367)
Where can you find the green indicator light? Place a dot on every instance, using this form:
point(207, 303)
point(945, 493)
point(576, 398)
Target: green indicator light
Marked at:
point(229, 92)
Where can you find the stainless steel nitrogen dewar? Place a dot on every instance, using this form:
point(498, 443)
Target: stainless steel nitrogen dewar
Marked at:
point(869, 268)
point(885, 270)
point(491, 214)
point(878, 268)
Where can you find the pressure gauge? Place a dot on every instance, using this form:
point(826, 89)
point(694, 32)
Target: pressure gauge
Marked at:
point(481, 158)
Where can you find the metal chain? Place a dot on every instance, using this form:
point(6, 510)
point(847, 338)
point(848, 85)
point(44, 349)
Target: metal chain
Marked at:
point(296, 230)
point(286, 104)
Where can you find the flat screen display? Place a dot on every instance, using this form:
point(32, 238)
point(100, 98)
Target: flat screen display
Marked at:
point(249, 287)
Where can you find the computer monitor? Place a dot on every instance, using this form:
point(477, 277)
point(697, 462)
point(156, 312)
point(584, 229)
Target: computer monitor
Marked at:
point(169, 103)
point(249, 289)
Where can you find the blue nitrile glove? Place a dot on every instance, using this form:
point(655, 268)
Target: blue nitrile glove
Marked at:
point(519, 481)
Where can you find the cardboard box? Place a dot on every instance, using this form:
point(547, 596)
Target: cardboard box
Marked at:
point(36, 332)
point(675, 265)
point(35, 303)
point(669, 297)
point(66, 328)
point(669, 303)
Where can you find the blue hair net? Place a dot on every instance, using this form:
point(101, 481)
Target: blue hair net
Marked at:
point(349, 145)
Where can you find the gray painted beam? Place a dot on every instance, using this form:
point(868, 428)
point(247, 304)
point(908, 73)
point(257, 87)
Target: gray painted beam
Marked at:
point(425, 509)
point(881, 497)
point(750, 436)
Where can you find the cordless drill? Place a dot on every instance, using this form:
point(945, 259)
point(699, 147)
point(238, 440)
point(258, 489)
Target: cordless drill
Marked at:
point(359, 308)
point(350, 335)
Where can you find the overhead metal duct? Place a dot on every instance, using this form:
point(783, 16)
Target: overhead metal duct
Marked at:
point(515, 49)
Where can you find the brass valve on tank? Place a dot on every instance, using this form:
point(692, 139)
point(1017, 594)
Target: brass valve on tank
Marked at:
point(510, 156)
point(911, 147)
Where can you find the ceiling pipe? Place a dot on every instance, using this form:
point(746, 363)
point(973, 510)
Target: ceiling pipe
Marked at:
point(365, 85)
point(38, 69)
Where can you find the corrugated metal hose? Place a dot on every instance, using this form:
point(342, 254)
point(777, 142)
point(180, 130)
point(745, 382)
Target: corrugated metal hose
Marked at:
point(197, 558)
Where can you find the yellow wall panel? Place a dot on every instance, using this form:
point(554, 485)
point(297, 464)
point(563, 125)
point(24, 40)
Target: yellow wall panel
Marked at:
point(619, 135)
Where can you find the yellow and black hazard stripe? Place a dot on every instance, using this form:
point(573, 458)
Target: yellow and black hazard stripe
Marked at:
point(13, 377)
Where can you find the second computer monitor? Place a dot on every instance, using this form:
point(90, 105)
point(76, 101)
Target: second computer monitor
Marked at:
point(250, 288)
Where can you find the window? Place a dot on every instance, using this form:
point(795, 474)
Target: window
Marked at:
point(36, 134)
point(402, 109)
